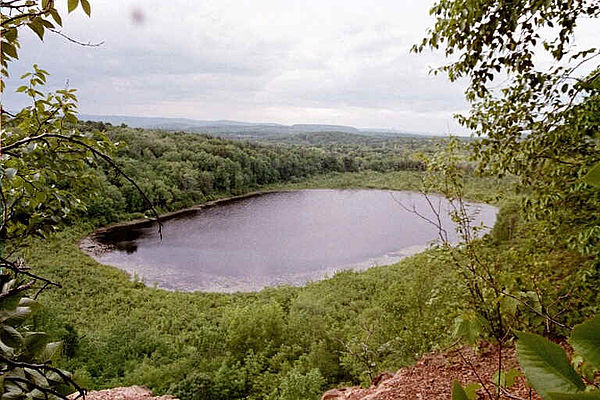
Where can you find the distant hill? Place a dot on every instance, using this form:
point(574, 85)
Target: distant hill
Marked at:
point(240, 130)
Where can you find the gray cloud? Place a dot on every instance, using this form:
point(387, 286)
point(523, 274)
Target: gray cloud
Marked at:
point(293, 61)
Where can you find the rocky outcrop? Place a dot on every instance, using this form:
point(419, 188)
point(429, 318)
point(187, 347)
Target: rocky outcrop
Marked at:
point(432, 376)
point(125, 393)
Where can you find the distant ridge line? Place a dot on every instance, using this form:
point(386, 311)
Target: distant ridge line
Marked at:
point(244, 128)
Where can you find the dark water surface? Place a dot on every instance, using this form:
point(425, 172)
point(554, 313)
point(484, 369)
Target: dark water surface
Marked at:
point(277, 238)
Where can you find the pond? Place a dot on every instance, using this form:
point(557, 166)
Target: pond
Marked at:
point(277, 238)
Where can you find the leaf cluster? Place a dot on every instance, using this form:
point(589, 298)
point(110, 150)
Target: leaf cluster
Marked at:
point(39, 16)
point(549, 371)
point(44, 161)
point(540, 123)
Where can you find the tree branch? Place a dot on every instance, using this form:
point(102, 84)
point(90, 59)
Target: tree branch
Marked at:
point(70, 39)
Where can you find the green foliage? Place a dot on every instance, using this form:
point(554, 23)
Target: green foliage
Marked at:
point(483, 37)
point(468, 327)
point(541, 124)
point(45, 164)
point(541, 359)
point(176, 170)
point(458, 392)
point(506, 379)
point(471, 390)
point(196, 386)
point(25, 355)
point(547, 368)
point(585, 340)
point(299, 386)
point(507, 221)
point(345, 327)
point(141, 335)
point(40, 17)
point(593, 176)
point(258, 328)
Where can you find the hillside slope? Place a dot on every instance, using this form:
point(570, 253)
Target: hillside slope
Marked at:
point(432, 376)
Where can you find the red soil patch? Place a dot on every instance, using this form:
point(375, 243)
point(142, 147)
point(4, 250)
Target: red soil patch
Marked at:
point(432, 377)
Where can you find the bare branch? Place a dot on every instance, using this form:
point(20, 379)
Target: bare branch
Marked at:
point(470, 364)
point(20, 270)
point(70, 39)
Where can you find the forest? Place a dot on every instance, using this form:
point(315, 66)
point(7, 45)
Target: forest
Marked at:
point(69, 323)
point(177, 170)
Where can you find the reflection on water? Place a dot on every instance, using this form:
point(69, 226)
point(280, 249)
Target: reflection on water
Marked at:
point(277, 238)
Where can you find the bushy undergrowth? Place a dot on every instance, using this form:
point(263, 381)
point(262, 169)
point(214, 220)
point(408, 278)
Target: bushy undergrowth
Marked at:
point(255, 344)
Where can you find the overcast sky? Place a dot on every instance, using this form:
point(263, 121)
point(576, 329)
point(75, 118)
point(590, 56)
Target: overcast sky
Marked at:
point(289, 61)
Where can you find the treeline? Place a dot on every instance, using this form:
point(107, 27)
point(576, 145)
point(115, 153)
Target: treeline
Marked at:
point(176, 170)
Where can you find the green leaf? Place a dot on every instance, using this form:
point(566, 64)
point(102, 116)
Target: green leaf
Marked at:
point(37, 27)
point(510, 377)
point(11, 302)
point(10, 173)
point(585, 339)
point(86, 7)
point(72, 5)
point(574, 396)
point(506, 378)
point(51, 352)
point(468, 327)
point(458, 393)
point(10, 34)
point(56, 16)
point(12, 391)
point(37, 377)
point(587, 371)
point(471, 390)
point(593, 176)
point(19, 314)
point(9, 49)
point(10, 336)
point(35, 344)
point(6, 350)
point(546, 366)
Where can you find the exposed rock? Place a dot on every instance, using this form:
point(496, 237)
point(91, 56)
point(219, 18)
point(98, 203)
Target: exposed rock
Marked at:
point(333, 394)
point(124, 393)
point(340, 394)
point(383, 376)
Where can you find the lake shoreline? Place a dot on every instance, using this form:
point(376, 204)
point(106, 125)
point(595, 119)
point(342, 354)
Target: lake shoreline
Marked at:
point(176, 213)
point(123, 239)
point(93, 247)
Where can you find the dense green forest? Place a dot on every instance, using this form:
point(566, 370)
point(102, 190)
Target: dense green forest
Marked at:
point(177, 170)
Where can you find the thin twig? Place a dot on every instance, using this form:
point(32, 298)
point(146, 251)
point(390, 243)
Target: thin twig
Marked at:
point(70, 39)
point(470, 364)
point(19, 270)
